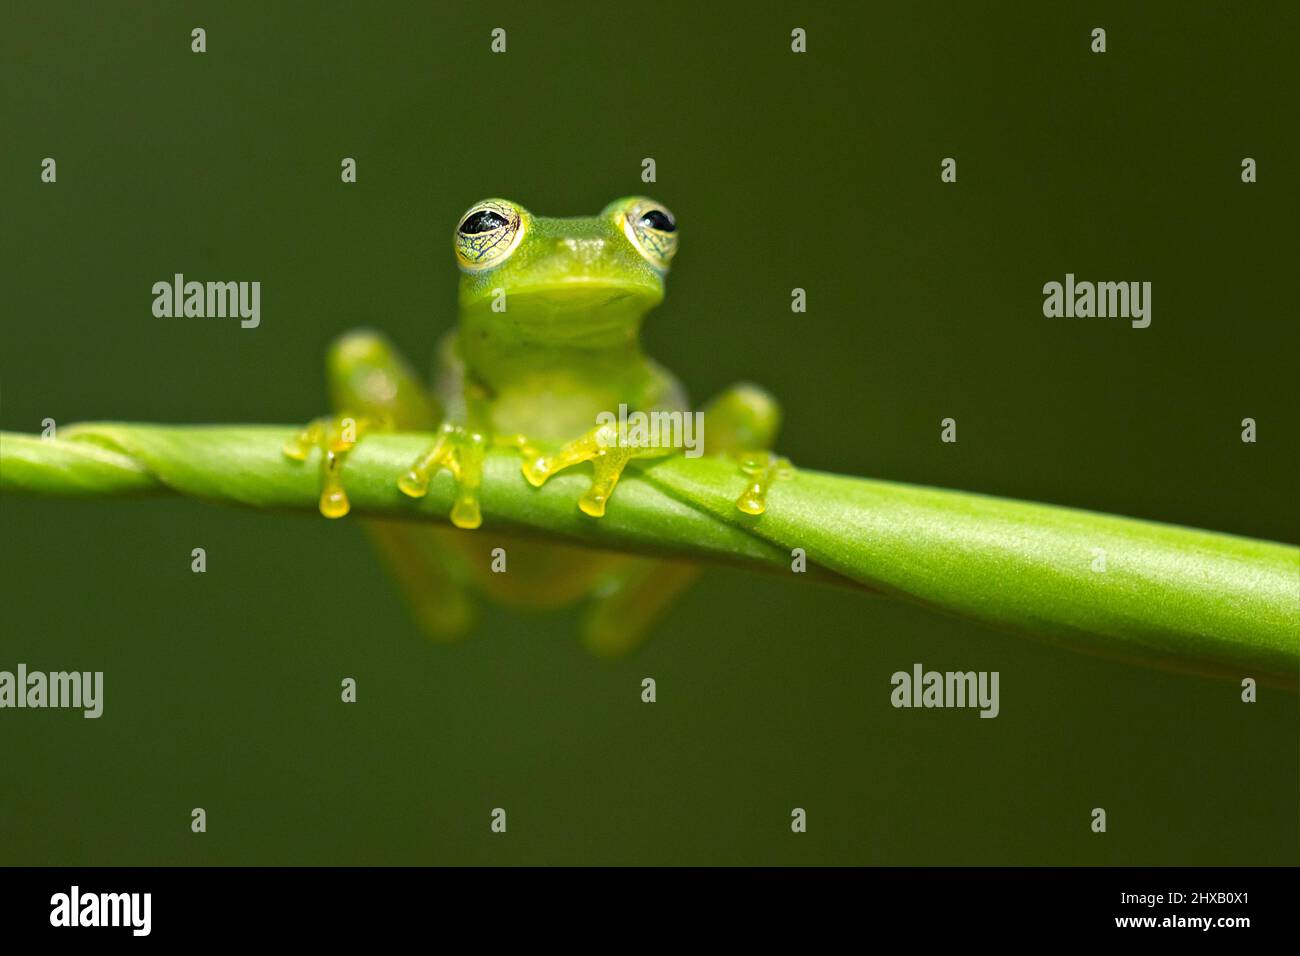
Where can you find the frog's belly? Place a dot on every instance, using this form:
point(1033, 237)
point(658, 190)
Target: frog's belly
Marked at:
point(550, 412)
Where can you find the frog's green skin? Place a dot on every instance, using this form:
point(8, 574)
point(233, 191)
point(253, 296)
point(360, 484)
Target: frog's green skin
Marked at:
point(547, 340)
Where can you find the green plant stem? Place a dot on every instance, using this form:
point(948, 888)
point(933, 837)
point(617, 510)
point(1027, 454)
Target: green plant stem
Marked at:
point(1170, 596)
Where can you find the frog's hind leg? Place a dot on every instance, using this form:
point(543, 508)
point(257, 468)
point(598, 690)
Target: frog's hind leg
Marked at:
point(335, 436)
point(428, 574)
point(372, 389)
point(369, 378)
point(631, 600)
point(743, 422)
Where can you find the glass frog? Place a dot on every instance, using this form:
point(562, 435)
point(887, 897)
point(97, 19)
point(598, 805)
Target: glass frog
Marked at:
point(547, 342)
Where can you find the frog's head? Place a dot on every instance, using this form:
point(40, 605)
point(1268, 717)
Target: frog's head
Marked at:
point(586, 280)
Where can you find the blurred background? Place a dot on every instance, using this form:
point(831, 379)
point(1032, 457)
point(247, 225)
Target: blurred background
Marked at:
point(819, 171)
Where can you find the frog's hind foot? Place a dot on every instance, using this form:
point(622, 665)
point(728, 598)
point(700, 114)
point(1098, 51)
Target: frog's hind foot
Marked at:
point(335, 436)
point(742, 422)
point(460, 450)
point(602, 447)
point(763, 469)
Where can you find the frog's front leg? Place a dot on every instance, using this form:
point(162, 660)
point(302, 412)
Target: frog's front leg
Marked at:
point(606, 446)
point(459, 449)
point(742, 422)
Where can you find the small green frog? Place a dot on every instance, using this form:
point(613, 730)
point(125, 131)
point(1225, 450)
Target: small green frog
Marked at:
point(546, 352)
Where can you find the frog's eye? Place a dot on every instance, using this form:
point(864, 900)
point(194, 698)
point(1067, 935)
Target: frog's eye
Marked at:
point(652, 229)
point(659, 219)
point(488, 233)
point(485, 220)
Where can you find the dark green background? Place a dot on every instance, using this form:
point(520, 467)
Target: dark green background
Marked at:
point(924, 301)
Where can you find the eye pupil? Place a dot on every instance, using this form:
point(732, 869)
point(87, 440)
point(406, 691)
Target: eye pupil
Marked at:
point(658, 219)
point(485, 220)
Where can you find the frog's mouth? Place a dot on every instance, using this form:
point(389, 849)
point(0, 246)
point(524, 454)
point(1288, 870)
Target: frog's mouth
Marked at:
point(589, 311)
point(587, 293)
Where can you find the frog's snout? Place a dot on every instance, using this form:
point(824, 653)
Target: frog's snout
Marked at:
point(581, 251)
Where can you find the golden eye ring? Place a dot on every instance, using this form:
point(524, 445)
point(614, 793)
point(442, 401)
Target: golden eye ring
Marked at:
point(488, 233)
point(652, 229)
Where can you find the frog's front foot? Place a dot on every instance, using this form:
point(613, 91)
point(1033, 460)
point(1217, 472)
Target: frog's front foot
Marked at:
point(763, 469)
point(460, 450)
point(608, 453)
point(335, 436)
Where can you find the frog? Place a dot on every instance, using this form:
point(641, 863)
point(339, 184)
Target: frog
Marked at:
point(547, 345)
